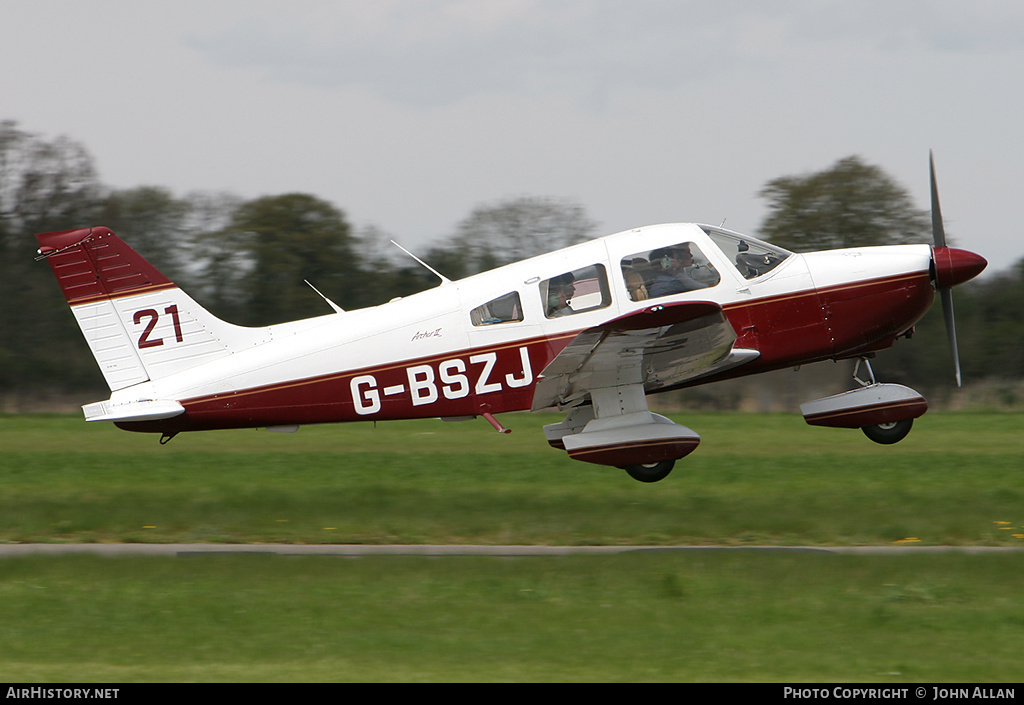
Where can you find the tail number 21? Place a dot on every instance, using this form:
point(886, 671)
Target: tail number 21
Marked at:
point(151, 316)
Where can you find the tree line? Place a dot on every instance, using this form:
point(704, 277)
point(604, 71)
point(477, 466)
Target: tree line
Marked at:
point(249, 261)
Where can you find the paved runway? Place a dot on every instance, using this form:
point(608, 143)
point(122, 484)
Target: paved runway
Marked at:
point(186, 549)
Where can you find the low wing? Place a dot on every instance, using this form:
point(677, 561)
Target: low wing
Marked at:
point(656, 347)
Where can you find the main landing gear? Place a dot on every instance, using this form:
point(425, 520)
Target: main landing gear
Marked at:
point(643, 444)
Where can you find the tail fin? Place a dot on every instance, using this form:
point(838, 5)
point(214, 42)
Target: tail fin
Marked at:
point(139, 325)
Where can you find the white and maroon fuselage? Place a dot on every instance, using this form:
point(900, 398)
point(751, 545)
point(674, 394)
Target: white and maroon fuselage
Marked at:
point(422, 356)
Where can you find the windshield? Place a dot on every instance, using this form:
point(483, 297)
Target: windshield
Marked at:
point(751, 257)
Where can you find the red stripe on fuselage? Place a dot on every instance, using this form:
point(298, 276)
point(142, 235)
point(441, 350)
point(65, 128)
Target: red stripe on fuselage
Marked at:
point(468, 382)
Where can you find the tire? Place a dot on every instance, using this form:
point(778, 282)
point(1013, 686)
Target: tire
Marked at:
point(652, 472)
point(888, 433)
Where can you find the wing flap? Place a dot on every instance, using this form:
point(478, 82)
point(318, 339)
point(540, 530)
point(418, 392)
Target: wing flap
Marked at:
point(656, 347)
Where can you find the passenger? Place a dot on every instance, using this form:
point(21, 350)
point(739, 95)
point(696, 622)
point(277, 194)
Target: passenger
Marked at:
point(634, 284)
point(560, 291)
point(671, 278)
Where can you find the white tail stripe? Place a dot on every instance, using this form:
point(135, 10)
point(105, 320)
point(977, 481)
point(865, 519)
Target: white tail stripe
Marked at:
point(156, 334)
point(170, 331)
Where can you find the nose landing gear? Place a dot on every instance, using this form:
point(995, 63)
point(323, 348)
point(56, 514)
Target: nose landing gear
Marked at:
point(884, 412)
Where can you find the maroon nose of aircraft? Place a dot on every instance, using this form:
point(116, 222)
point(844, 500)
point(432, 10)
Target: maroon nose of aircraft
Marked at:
point(954, 266)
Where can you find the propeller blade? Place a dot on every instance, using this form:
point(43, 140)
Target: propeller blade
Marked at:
point(945, 292)
point(947, 312)
point(938, 232)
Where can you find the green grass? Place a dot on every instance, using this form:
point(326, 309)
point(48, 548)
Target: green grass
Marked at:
point(957, 479)
point(707, 616)
point(649, 616)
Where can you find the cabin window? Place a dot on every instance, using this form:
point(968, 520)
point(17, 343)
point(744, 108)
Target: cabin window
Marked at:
point(664, 271)
point(751, 257)
point(580, 290)
point(504, 309)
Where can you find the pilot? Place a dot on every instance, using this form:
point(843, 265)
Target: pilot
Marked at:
point(560, 290)
point(671, 263)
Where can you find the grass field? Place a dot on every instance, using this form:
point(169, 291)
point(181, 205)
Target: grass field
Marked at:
point(707, 616)
point(957, 479)
point(740, 616)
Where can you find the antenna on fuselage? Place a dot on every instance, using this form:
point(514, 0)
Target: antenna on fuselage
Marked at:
point(336, 307)
point(443, 278)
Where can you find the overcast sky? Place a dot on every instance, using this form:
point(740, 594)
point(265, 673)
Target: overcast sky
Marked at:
point(408, 113)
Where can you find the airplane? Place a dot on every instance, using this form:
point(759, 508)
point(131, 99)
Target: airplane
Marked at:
point(589, 330)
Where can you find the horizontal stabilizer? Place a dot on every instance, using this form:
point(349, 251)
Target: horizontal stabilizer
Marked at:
point(145, 410)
